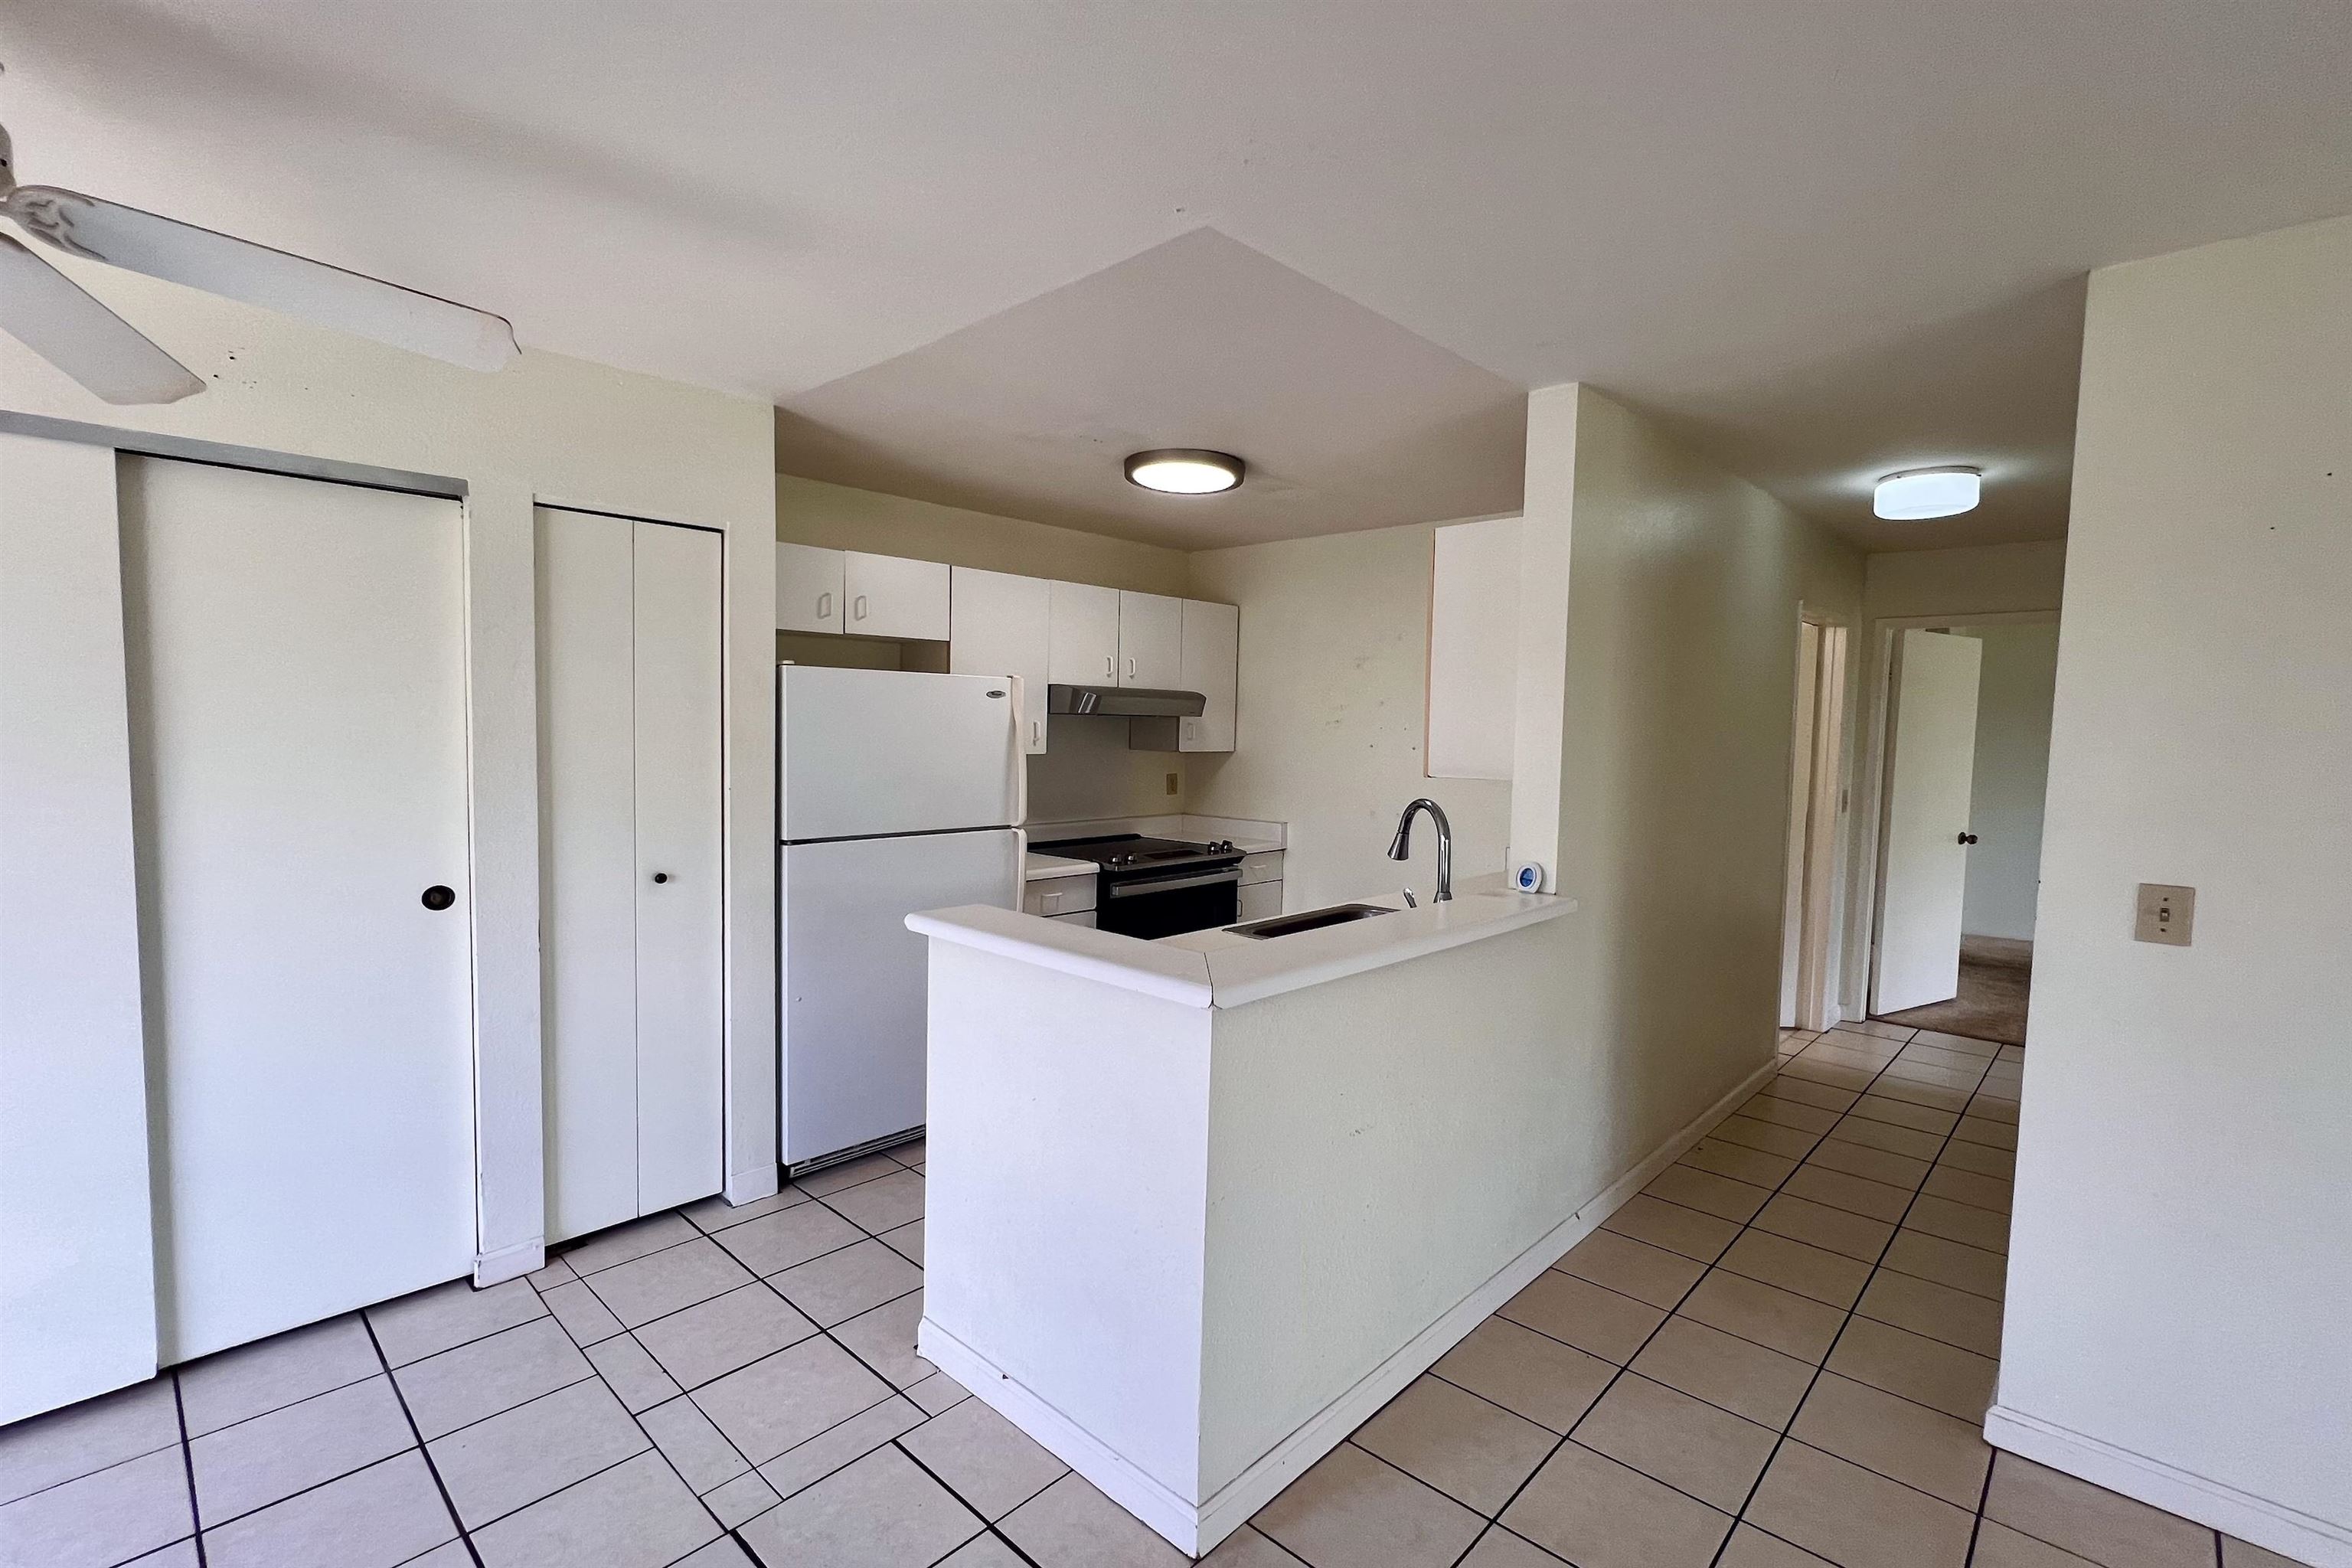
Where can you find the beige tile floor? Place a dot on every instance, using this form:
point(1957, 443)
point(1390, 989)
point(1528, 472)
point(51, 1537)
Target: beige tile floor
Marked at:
point(1777, 1356)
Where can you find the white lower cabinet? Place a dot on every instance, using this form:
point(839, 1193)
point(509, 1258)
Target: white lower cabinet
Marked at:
point(1261, 900)
point(630, 866)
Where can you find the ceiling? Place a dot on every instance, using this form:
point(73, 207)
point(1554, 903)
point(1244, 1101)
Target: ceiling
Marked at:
point(1346, 419)
point(1823, 239)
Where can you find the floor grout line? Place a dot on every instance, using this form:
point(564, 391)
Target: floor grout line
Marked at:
point(456, 1520)
point(188, 1464)
point(1819, 1368)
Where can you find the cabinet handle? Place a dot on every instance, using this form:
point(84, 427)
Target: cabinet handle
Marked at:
point(1036, 731)
point(857, 608)
point(1130, 670)
point(824, 606)
point(1110, 664)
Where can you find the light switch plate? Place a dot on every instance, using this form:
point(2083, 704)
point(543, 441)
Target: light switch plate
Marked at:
point(2164, 913)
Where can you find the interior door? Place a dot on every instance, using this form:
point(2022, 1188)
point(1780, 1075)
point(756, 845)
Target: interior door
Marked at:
point(854, 978)
point(296, 670)
point(1924, 874)
point(679, 1027)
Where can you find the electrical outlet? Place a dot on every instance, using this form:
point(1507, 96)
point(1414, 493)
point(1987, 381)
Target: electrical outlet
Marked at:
point(1172, 783)
point(2163, 913)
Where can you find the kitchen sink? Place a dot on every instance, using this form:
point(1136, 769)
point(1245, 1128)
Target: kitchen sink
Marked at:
point(1310, 920)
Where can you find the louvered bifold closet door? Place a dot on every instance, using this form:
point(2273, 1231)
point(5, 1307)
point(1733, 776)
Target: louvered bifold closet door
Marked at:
point(630, 717)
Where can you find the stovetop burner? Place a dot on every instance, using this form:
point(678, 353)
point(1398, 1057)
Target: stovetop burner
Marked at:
point(1137, 852)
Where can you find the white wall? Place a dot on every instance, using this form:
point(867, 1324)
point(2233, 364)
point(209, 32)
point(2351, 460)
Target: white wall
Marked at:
point(1334, 671)
point(2011, 776)
point(1674, 763)
point(1983, 579)
point(1090, 771)
point(546, 430)
point(2182, 1259)
point(811, 511)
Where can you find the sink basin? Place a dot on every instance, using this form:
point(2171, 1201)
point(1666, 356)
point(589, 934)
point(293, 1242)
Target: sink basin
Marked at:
point(1310, 920)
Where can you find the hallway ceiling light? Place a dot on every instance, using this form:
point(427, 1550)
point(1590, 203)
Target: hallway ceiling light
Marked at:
point(1918, 493)
point(1184, 471)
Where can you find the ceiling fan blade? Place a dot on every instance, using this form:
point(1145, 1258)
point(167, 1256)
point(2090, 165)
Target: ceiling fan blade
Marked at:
point(274, 280)
point(51, 314)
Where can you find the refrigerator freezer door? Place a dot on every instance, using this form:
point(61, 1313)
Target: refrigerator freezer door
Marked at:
point(855, 979)
point(862, 753)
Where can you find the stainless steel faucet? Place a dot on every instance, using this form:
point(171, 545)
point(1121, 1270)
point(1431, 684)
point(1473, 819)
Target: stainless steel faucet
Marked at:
point(1400, 846)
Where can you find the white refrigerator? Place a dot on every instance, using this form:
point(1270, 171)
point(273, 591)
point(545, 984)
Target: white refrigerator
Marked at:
point(898, 792)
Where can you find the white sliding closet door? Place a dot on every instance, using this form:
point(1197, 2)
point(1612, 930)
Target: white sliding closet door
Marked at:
point(630, 768)
point(295, 658)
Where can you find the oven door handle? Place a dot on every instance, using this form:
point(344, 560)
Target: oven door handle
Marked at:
point(1176, 884)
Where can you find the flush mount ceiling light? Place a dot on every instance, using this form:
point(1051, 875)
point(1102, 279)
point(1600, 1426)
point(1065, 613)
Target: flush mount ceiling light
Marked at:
point(1184, 471)
point(1918, 493)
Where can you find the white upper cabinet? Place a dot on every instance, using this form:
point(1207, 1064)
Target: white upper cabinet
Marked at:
point(1474, 631)
point(1212, 668)
point(809, 582)
point(1084, 638)
point(891, 596)
point(1150, 640)
point(1001, 625)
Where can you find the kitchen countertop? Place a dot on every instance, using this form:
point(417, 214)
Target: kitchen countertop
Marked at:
point(1218, 969)
point(1036, 867)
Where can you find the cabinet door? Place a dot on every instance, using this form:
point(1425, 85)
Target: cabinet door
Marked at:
point(891, 596)
point(1261, 900)
point(808, 588)
point(1212, 668)
point(1002, 625)
point(1084, 651)
point(1150, 640)
point(680, 1027)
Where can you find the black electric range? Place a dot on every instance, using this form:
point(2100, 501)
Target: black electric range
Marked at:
point(1149, 886)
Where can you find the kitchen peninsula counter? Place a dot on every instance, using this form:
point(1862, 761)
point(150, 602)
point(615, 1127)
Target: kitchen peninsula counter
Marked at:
point(1198, 1206)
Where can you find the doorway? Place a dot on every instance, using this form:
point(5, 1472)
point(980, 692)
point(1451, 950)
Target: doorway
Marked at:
point(1816, 807)
point(1967, 747)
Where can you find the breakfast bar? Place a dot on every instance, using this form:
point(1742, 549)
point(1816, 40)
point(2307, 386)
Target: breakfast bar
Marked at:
point(1200, 1205)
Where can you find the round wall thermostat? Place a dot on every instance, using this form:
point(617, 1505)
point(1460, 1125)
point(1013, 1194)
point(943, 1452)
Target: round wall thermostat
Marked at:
point(1528, 877)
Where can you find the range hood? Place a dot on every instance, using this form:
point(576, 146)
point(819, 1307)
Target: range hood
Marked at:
point(1124, 701)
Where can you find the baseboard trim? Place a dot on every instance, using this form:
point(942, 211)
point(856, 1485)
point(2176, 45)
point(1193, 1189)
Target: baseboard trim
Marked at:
point(2274, 1526)
point(509, 1262)
point(1196, 1528)
point(759, 1182)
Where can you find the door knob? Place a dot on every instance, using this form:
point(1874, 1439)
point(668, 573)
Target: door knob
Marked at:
point(437, 897)
point(661, 875)
point(1967, 839)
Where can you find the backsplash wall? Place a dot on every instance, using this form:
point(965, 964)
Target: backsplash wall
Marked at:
point(1089, 773)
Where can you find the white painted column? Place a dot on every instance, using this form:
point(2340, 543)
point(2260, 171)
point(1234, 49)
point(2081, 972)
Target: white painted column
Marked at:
point(76, 1225)
point(1544, 531)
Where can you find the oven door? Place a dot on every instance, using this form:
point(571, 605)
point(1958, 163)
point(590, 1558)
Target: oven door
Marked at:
point(1171, 903)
